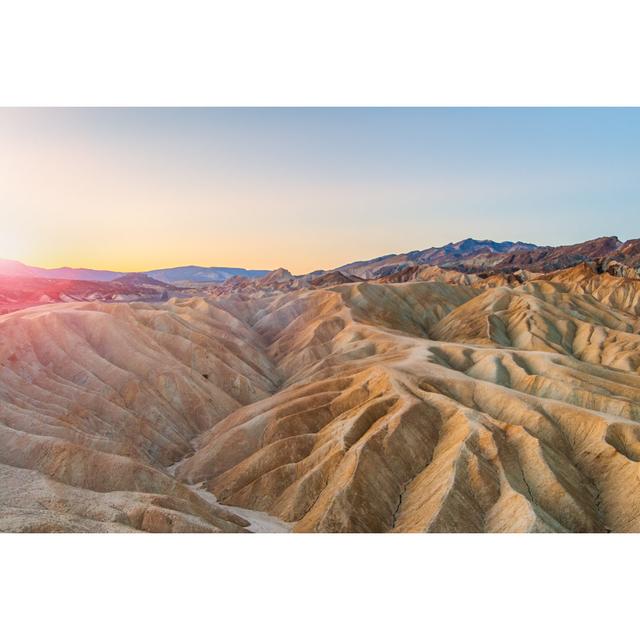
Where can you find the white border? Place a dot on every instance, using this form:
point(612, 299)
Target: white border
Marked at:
point(334, 52)
point(318, 586)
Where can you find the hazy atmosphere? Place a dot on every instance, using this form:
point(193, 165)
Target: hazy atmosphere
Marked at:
point(136, 189)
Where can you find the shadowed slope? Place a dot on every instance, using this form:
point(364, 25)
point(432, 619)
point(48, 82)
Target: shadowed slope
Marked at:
point(419, 435)
point(419, 406)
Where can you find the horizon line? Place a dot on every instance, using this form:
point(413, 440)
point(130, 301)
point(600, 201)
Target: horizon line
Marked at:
point(184, 266)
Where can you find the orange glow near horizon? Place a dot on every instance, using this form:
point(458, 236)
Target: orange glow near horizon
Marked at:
point(85, 203)
point(139, 189)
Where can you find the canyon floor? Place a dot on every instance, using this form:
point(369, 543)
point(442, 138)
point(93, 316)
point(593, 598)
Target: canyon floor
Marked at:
point(449, 404)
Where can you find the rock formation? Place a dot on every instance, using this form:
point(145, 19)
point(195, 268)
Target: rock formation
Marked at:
point(427, 400)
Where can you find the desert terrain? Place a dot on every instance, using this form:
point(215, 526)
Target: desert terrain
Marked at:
point(477, 387)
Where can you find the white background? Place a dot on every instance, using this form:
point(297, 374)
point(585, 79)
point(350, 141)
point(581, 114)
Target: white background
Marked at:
point(318, 53)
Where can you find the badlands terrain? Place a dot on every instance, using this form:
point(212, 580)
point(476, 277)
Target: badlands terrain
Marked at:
point(476, 387)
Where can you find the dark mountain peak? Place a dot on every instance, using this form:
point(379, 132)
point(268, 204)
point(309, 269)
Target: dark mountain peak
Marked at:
point(469, 244)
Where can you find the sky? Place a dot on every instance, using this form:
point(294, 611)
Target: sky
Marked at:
point(138, 189)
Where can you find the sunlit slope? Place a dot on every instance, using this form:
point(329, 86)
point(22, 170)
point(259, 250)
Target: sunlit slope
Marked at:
point(413, 406)
point(497, 417)
point(103, 398)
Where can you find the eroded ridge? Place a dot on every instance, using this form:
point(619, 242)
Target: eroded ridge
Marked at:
point(453, 404)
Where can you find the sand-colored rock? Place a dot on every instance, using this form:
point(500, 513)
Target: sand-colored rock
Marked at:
point(450, 404)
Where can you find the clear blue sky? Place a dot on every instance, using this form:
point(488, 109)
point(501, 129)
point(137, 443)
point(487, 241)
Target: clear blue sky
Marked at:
point(307, 188)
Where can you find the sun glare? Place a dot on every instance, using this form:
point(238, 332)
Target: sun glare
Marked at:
point(12, 246)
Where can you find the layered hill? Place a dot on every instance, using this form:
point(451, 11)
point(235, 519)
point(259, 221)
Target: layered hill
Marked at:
point(426, 400)
point(553, 258)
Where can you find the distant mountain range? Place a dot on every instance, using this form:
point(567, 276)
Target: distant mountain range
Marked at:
point(173, 275)
point(451, 254)
point(203, 274)
point(466, 256)
point(483, 256)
